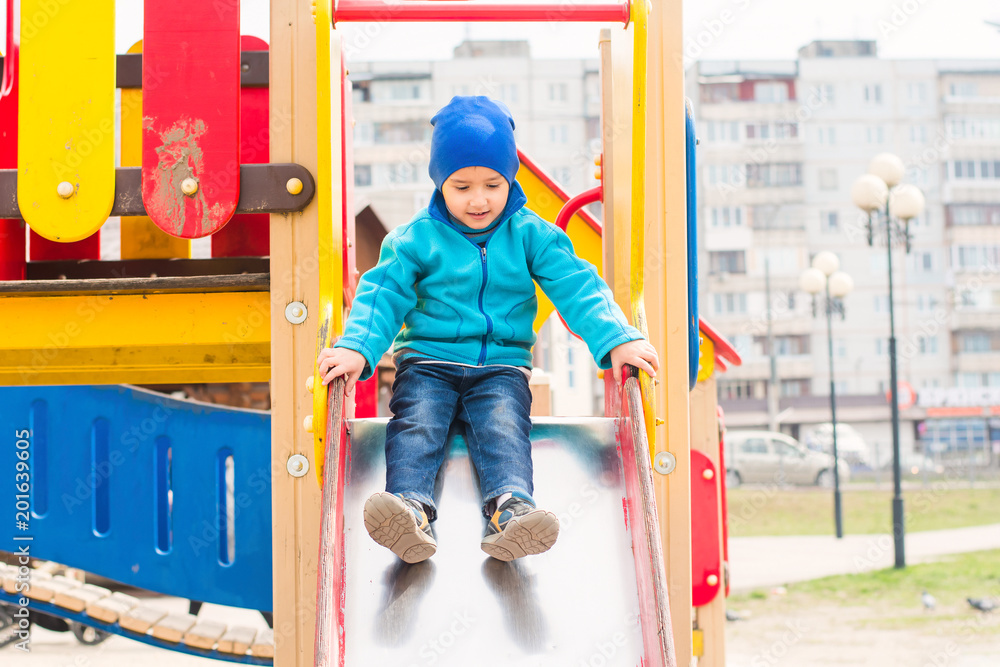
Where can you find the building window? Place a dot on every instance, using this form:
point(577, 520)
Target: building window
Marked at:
point(778, 174)
point(875, 134)
point(725, 216)
point(972, 214)
point(974, 169)
point(770, 92)
point(916, 92)
point(785, 346)
point(730, 303)
point(795, 387)
point(840, 347)
point(825, 94)
point(873, 93)
point(975, 256)
point(826, 136)
point(927, 345)
point(828, 179)
point(509, 93)
point(558, 92)
point(963, 89)
point(829, 222)
point(402, 132)
point(975, 342)
point(559, 134)
point(918, 134)
point(728, 261)
point(362, 175)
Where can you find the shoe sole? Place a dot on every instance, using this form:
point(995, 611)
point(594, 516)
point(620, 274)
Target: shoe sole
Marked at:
point(527, 535)
point(390, 522)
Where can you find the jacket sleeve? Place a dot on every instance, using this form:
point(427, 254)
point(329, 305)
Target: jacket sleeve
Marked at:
point(580, 295)
point(385, 295)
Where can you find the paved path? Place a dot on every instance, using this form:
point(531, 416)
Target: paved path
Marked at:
point(760, 562)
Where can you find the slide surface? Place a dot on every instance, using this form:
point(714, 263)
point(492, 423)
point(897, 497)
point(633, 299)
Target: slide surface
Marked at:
point(577, 604)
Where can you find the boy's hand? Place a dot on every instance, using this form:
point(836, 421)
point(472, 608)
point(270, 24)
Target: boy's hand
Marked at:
point(639, 353)
point(336, 361)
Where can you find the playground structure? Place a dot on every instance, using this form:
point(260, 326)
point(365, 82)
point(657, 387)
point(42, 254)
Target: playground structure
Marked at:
point(189, 165)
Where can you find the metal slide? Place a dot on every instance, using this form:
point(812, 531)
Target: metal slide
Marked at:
point(574, 605)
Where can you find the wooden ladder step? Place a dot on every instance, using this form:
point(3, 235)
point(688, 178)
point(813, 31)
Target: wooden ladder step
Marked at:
point(263, 645)
point(77, 599)
point(237, 640)
point(205, 634)
point(141, 619)
point(173, 627)
point(110, 609)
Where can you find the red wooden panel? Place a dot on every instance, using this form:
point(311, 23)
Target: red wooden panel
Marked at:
point(366, 398)
point(191, 114)
point(12, 259)
point(706, 550)
point(43, 249)
point(248, 234)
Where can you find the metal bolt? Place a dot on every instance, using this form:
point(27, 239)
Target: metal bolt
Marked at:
point(296, 312)
point(664, 463)
point(310, 382)
point(712, 580)
point(660, 422)
point(294, 186)
point(189, 186)
point(708, 473)
point(598, 173)
point(307, 424)
point(65, 189)
point(297, 465)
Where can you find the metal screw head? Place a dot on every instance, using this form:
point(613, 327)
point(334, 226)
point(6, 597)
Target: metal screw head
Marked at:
point(189, 186)
point(310, 383)
point(708, 473)
point(294, 186)
point(307, 424)
point(712, 580)
point(65, 189)
point(296, 312)
point(664, 463)
point(297, 465)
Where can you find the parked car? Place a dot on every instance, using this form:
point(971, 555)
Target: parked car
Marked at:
point(768, 457)
point(851, 447)
point(914, 464)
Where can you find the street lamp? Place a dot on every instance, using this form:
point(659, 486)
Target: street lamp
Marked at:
point(824, 276)
point(879, 191)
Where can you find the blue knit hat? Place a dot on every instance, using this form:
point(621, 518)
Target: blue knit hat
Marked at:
point(472, 132)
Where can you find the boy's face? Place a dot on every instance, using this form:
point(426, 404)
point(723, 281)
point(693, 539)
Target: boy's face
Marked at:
point(476, 196)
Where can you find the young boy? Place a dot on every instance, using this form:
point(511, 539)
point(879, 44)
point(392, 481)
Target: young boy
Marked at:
point(453, 293)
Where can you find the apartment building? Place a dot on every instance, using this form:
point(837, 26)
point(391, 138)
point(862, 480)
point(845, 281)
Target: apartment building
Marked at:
point(782, 142)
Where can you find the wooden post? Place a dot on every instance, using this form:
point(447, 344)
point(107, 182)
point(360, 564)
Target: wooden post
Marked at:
point(666, 301)
point(295, 277)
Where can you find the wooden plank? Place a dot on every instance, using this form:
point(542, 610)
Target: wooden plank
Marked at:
point(248, 234)
point(188, 138)
point(140, 237)
point(140, 619)
point(293, 96)
point(45, 589)
point(666, 301)
point(237, 640)
point(67, 117)
point(257, 282)
point(137, 338)
point(147, 268)
point(109, 610)
point(263, 646)
point(205, 634)
point(77, 599)
point(173, 627)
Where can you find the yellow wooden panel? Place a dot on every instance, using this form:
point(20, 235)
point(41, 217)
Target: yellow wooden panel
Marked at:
point(329, 198)
point(66, 111)
point(140, 237)
point(706, 357)
point(544, 201)
point(136, 338)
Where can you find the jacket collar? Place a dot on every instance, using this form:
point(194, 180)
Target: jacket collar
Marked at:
point(516, 200)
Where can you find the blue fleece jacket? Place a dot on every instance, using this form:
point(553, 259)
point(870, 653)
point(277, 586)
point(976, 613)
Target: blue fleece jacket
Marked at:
point(459, 302)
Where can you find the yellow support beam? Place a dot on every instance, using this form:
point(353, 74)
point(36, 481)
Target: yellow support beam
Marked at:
point(135, 338)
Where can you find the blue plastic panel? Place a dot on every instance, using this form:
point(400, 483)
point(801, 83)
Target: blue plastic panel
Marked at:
point(692, 244)
point(138, 487)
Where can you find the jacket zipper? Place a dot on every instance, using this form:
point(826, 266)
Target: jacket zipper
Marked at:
point(489, 322)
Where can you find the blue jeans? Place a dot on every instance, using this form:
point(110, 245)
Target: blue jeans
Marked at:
point(493, 404)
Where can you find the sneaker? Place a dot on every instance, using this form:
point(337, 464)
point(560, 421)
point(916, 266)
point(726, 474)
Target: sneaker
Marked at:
point(518, 529)
point(400, 525)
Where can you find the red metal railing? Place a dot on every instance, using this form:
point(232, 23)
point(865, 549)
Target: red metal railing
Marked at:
point(430, 10)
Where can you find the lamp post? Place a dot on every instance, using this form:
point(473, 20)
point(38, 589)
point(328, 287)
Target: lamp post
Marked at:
point(879, 191)
point(824, 276)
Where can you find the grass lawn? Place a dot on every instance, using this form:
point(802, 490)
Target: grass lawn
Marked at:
point(809, 511)
point(890, 599)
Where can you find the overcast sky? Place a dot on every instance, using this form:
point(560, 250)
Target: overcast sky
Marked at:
point(714, 29)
